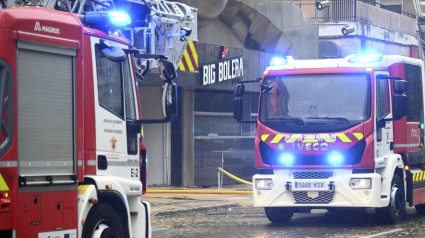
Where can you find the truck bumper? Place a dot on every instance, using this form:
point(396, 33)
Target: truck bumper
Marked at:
point(286, 191)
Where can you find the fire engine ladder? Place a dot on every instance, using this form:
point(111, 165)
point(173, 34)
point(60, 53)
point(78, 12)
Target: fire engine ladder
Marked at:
point(420, 28)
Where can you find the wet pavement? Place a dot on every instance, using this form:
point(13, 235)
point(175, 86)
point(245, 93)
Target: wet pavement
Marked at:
point(172, 203)
point(232, 215)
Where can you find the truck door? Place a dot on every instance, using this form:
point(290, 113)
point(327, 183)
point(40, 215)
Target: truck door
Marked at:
point(117, 135)
point(384, 129)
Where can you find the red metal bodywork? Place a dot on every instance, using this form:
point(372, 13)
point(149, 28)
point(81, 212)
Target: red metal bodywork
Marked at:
point(366, 128)
point(39, 212)
point(32, 213)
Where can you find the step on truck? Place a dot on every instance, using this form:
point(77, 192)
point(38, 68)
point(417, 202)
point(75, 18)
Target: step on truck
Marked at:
point(72, 159)
point(339, 133)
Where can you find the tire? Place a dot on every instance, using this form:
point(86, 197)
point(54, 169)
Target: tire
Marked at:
point(103, 222)
point(393, 213)
point(420, 208)
point(281, 215)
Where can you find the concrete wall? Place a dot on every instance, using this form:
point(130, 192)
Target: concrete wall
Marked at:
point(376, 16)
point(156, 137)
point(354, 45)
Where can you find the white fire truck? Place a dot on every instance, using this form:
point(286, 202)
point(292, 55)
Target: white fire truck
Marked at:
point(340, 133)
point(72, 160)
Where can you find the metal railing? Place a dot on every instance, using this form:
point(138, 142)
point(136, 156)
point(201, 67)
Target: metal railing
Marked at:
point(344, 10)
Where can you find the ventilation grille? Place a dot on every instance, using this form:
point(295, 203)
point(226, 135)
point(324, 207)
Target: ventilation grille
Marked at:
point(324, 197)
point(313, 175)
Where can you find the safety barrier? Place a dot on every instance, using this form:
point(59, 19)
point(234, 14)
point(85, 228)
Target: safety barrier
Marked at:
point(220, 180)
point(220, 185)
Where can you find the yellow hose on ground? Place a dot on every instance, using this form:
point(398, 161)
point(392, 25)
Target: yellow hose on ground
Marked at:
point(200, 191)
point(233, 176)
point(209, 191)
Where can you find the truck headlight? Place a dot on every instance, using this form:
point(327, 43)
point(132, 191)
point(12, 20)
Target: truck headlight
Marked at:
point(263, 184)
point(361, 183)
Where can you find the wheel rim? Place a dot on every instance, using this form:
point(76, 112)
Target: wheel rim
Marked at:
point(396, 200)
point(102, 230)
point(99, 229)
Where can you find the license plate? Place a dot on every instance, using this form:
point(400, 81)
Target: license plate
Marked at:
point(310, 186)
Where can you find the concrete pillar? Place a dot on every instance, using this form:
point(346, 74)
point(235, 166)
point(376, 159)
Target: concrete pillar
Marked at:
point(188, 155)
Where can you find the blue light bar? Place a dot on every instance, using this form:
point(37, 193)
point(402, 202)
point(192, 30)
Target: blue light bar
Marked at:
point(335, 158)
point(119, 18)
point(286, 159)
point(106, 21)
point(278, 61)
point(365, 58)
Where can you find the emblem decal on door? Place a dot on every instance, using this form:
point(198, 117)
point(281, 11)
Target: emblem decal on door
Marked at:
point(113, 143)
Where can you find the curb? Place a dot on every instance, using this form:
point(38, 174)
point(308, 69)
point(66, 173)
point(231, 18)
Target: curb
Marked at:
point(193, 209)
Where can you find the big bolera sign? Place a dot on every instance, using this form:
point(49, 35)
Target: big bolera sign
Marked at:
point(222, 70)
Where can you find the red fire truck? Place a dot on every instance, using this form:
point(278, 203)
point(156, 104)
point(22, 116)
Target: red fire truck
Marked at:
point(340, 133)
point(72, 161)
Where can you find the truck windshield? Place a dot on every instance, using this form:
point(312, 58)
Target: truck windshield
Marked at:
point(315, 103)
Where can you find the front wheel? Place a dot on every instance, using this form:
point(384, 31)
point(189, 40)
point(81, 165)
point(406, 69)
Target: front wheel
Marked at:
point(420, 208)
point(103, 222)
point(393, 213)
point(280, 215)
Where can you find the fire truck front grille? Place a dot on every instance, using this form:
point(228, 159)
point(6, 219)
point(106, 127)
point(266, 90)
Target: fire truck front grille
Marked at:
point(303, 198)
point(313, 175)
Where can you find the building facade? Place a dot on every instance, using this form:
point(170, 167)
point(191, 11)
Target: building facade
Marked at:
point(236, 40)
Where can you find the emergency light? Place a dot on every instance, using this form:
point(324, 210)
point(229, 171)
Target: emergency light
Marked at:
point(278, 61)
point(286, 159)
point(365, 58)
point(103, 20)
point(335, 158)
point(119, 18)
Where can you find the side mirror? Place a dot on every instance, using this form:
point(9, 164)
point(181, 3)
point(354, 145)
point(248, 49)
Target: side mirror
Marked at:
point(238, 101)
point(239, 90)
point(399, 106)
point(169, 100)
point(114, 53)
point(167, 70)
point(238, 109)
point(400, 86)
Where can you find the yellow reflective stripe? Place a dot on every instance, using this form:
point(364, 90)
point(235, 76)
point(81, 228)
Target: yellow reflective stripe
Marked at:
point(264, 137)
point(188, 61)
point(359, 136)
point(82, 189)
point(3, 185)
point(414, 177)
point(422, 175)
point(194, 53)
point(277, 138)
point(327, 137)
point(181, 66)
point(343, 137)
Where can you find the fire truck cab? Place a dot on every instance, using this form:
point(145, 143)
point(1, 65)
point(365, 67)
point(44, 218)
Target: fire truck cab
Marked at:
point(340, 133)
point(72, 161)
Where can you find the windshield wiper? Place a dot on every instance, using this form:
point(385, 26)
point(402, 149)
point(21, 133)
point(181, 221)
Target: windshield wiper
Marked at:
point(342, 119)
point(296, 120)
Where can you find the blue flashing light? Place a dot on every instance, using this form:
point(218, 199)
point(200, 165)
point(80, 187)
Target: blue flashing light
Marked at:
point(286, 159)
point(365, 58)
point(106, 21)
point(278, 61)
point(335, 158)
point(119, 18)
